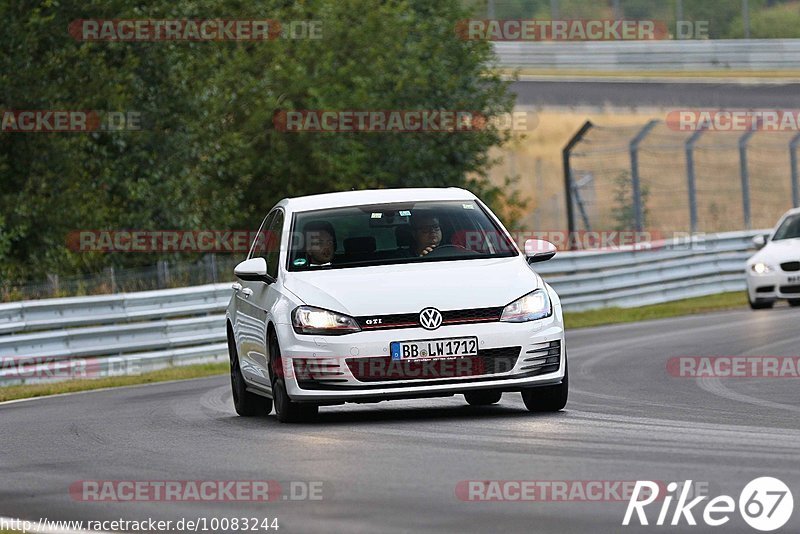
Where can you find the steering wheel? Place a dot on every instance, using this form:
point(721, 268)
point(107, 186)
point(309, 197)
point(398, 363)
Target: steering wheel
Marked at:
point(450, 250)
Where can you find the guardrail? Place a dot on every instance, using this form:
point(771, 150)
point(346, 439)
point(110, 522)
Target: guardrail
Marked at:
point(114, 334)
point(689, 55)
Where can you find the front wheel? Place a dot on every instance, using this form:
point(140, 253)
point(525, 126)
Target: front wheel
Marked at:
point(548, 398)
point(245, 403)
point(794, 303)
point(760, 304)
point(286, 410)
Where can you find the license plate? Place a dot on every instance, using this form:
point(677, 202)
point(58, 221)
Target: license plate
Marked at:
point(793, 279)
point(434, 348)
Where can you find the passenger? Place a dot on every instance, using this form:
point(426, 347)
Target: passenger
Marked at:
point(427, 234)
point(320, 241)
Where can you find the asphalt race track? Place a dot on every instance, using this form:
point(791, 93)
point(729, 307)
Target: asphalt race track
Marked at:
point(655, 94)
point(394, 467)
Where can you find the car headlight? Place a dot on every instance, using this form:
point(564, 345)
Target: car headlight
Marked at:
point(533, 306)
point(761, 268)
point(311, 320)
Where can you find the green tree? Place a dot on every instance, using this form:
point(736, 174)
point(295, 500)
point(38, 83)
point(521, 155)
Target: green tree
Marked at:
point(209, 155)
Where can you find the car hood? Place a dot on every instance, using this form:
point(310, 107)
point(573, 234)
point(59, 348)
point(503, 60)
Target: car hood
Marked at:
point(408, 288)
point(777, 252)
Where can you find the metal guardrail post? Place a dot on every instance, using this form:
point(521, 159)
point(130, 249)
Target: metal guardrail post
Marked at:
point(745, 173)
point(638, 210)
point(795, 182)
point(690, 179)
point(565, 154)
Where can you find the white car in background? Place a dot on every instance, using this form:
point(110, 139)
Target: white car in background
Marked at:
point(365, 296)
point(773, 273)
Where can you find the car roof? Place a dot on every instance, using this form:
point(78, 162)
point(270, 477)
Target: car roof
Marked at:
point(795, 211)
point(374, 196)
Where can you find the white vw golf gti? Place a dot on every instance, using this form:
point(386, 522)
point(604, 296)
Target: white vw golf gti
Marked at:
point(365, 296)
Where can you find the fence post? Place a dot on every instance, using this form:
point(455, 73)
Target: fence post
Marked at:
point(637, 186)
point(690, 179)
point(565, 155)
point(213, 268)
point(55, 287)
point(795, 182)
point(746, 18)
point(745, 173)
point(113, 277)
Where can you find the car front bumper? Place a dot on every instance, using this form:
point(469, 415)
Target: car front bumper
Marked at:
point(324, 369)
point(772, 286)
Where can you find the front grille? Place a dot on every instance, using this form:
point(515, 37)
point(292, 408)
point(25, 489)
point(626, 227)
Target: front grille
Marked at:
point(790, 290)
point(791, 266)
point(411, 320)
point(488, 361)
point(542, 358)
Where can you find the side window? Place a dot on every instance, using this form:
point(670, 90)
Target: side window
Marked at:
point(259, 247)
point(273, 244)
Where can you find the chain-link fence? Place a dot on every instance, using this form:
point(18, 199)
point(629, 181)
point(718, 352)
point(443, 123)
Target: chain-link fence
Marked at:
point(212, 268)
point(653, 178)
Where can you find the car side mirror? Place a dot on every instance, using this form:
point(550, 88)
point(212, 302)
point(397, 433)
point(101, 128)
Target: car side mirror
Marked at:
point(760, 240)
point(253, 270)
point(537, 250)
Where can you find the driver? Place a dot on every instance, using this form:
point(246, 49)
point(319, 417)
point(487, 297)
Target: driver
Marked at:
point(427, 234)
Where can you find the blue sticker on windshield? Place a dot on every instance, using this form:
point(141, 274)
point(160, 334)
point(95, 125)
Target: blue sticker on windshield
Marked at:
point(299, 262)
point(405, 213)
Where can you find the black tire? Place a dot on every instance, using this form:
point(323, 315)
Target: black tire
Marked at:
point(794, 303)
point(247, 404)
point(483, 398)
point(286, 410)
point(548, 398)
point(760, 304)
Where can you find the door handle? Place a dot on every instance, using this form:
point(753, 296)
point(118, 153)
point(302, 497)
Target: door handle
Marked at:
point(236, 286)
point(247, 292)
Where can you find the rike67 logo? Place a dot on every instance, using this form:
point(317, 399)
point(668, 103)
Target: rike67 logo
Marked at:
point(766, 504)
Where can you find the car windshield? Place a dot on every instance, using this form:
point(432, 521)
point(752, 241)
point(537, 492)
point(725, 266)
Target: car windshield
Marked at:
point(790, 229)
point(385, 234)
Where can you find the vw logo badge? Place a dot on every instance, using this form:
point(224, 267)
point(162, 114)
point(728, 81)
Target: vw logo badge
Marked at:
point(430, 318)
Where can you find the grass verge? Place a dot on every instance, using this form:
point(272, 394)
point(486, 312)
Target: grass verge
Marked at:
point(70, 386)
point(606, 316)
